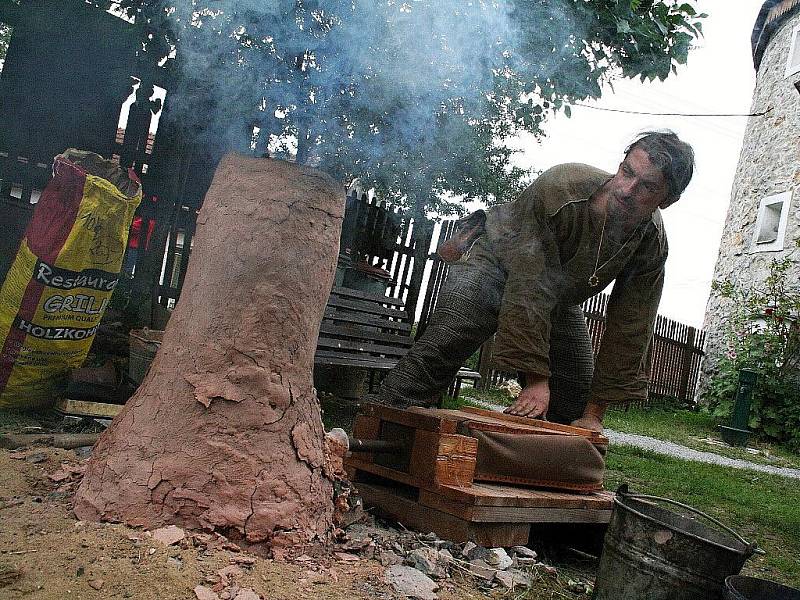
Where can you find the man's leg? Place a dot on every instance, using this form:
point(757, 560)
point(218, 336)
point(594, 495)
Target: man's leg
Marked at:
point(571, 364)
point(465, 317)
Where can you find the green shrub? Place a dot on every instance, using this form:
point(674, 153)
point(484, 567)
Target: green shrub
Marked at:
point(762, 333)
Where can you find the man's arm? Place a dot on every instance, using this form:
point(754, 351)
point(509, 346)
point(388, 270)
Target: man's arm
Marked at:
point(621, 370)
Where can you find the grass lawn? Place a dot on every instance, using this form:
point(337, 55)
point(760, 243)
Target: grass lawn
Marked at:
point(762, 508)
point(695, 429)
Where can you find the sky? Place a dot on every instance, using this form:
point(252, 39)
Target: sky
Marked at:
point(719, 78)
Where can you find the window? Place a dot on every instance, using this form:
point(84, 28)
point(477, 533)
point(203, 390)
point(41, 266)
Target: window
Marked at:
point(773, 212)
point(793, 64)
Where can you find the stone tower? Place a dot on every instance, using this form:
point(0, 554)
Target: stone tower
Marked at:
point(763, 220)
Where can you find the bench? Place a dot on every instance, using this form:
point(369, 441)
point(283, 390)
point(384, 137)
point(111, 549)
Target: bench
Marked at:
point(370, 332)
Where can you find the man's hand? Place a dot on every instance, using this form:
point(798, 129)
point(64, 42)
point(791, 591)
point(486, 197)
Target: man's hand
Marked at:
point(533, 400)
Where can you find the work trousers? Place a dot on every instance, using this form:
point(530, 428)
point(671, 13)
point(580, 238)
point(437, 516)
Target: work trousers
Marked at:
point(465, 317)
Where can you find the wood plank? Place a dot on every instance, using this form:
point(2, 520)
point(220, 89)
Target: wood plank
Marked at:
point(365, 306)
point(489, 494)
point(363, 347)
point(593, 436)
point(366, 428)
point(365, 333)
point(515, 514)
point(84, 408)
point(341, 359)
point(443, 459)
point(360, 295)
point(364, 319)
point(413, 417)
point(408, 512)
point(484, 499)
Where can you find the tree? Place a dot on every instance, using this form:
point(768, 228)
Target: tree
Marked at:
point(416, 98)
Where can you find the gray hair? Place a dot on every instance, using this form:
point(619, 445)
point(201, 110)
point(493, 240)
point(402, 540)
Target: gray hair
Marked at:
point(671, 155)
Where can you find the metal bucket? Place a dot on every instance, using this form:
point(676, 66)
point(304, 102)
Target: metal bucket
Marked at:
point(651, 553)
point(738, 587)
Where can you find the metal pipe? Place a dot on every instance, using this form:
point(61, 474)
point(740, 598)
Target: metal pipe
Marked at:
point(356, 445)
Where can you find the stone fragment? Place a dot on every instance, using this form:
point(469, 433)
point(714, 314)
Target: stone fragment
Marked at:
point(524, 552)
point(498, 558)
point(36, 458)
point(346, 557)
point(576, 587)
point(243, 560)
point(480, 569)
point(550, 570)
point(58, 476)
point(83, 452)
point(204, 593)
point(505, 578)
point(388, 558)
point(477, 552)
point(468, 547)
point(427, 561)
point(175, 562)
point(227, 574)
point(246, 594)
point(96, 584)
point(521, 578)
point(411, 583)
point(168, 535)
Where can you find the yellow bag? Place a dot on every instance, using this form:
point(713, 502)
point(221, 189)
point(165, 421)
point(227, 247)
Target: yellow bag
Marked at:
point(62, 278)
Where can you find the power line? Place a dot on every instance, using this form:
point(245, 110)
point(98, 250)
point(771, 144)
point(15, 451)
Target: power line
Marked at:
point(656, 114)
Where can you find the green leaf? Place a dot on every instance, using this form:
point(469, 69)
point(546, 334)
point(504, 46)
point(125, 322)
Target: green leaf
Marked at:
point(567, 111)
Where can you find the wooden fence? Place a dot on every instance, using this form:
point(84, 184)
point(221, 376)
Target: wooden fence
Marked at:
point(383, 236)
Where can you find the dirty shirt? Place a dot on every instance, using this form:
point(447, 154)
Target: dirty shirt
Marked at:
point(546, 245)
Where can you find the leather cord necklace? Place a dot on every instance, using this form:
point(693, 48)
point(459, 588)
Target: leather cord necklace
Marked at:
point(594, 280)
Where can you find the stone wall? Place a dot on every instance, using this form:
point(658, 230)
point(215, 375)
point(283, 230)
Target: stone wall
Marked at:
point(769, 164)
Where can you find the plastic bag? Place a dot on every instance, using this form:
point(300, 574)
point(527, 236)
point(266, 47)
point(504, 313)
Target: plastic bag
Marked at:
point(63, 275)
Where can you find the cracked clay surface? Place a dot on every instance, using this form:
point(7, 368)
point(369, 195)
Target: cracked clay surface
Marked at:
point(225, 431)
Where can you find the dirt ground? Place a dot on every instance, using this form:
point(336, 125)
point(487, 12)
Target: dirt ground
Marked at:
point(47, 554)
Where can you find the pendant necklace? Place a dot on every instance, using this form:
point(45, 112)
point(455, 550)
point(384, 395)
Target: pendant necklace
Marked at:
point(594, 280)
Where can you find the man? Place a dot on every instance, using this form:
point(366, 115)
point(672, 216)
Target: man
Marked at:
point(571, 233)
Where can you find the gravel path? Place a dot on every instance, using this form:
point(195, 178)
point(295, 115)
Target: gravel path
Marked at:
point(678, 451)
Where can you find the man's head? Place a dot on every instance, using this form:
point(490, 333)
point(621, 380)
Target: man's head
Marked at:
point(670, 155)
point(656, 169)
